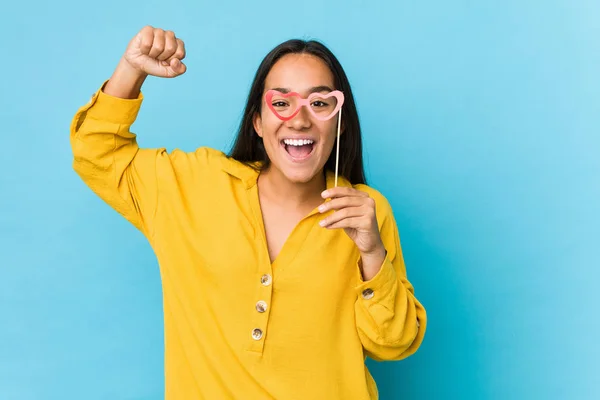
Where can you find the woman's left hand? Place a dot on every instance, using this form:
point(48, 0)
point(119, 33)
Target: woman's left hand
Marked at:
point(355, 213)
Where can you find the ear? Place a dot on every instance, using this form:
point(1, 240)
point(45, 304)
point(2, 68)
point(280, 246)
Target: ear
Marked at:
point(342, 128)
point(257, 123)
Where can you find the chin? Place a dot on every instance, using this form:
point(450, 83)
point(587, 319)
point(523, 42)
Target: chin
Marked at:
point(299, 175)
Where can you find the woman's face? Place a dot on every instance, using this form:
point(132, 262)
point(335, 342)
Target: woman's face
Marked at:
point(299, 147)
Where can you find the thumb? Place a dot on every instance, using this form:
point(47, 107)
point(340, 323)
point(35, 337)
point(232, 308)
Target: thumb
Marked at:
point(177, 66)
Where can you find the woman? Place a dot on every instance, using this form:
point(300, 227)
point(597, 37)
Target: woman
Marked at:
point(273, 287)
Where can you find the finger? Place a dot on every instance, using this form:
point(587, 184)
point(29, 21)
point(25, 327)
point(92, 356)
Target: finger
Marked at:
point(349, 223)
point(176, 67)
point(343, 191)
point(158, 43)
point(170, 46)
point(179, 53)
point(342, 202)
point(340, 215)
point(146, 38)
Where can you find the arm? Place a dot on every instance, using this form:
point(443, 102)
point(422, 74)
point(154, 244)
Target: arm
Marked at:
point(106, 153)
point(391, 322)
point(107, 158)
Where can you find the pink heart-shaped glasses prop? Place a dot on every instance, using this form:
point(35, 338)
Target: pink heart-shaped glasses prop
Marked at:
point(300, 102)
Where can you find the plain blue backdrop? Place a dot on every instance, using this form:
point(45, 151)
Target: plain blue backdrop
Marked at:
point(481, 125)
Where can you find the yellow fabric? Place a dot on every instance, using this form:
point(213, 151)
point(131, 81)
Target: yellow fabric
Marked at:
point(200, 212)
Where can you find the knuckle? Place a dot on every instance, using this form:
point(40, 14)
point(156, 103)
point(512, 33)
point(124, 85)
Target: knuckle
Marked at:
point(170, 39)
point(170, 46)
point(159, 34)
point(146, 46)
point(158, 45)
point(146, 43)
point(180, 49)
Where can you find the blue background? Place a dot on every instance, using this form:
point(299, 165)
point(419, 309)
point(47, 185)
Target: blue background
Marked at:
point(481, 123)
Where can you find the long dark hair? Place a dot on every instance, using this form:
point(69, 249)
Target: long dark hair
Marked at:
point(248, 146)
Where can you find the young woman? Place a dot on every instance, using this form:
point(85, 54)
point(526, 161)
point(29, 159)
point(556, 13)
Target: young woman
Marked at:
point(279, 278)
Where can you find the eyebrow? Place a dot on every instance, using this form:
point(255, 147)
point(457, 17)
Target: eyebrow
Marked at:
point(314, 89)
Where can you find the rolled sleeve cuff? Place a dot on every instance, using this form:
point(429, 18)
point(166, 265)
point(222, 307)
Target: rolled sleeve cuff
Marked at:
point(380, 286)
point(113, 109)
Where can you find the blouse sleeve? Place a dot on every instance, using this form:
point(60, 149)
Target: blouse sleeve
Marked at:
point(107, 158)
point(391, 321)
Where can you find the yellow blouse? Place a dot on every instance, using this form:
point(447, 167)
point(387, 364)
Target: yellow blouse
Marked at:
point(236, 325)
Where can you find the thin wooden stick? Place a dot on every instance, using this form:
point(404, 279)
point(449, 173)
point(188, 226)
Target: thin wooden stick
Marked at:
point(337, 155)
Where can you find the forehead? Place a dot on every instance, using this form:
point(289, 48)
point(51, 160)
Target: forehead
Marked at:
point(299, 72)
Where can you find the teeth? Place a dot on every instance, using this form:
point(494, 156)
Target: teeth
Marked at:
point(297, 142)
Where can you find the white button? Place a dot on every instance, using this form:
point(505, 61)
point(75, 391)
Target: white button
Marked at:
point(367, 294)
point(261, 306)
point(257, 334)
point(265, 280)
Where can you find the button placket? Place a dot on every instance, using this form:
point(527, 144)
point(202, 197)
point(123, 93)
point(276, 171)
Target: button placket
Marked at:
point(261, 308)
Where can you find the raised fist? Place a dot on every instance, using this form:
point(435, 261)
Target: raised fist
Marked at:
point(156, 52)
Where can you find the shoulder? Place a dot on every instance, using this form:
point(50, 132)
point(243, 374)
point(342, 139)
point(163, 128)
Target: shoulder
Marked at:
point(188, 166)
point(214, 162)
point(202, 153)
point(204, 157)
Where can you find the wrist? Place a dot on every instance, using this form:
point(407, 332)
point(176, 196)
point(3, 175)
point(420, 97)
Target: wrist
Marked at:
point(126, 81)
point(371, 262)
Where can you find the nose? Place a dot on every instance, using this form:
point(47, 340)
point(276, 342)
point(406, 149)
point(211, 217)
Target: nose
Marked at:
point(301, 121)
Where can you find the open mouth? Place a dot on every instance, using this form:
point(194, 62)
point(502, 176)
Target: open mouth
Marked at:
point(298, 149)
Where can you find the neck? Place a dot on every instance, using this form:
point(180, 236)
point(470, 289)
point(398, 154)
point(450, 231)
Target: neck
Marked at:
point(280, 189)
